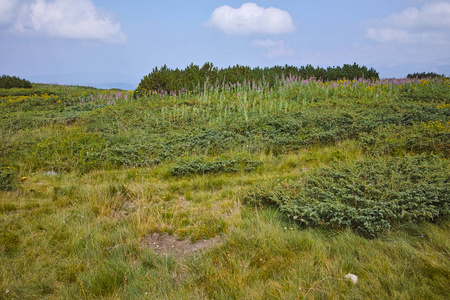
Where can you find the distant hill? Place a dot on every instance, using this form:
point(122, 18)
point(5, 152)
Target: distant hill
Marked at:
point(116, 85)
point(104, 80)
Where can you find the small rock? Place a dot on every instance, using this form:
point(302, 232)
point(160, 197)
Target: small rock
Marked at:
point(351, 277)
point(51, 173)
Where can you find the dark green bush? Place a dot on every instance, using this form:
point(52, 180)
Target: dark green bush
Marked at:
point(8, 178)
point(131, 155)
point(191, 167)
point(8, 82)
point(398, 140)
point(159, 139)
point(424, 75)
point(369, 197)
point(196, 78)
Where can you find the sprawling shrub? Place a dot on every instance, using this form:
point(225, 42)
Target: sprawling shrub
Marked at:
point(8, 82)
point(192, 167)
point(369, 197)
point(8, 178)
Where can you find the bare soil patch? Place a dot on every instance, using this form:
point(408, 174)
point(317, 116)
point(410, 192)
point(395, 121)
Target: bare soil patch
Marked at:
point(165, 244)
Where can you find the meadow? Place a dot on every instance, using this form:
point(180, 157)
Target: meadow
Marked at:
point(228, 191)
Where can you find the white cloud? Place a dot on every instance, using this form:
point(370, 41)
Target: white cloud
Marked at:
point(273, 49)
point(389, 35)
point(427, 24)
point(7, 8)
point(251, 19)
point(72, 19)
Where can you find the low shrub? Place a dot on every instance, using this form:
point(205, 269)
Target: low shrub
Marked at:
point(369, 197)
point(131, 155)
point(8, 178)
point(197, 166)
point(425, 137)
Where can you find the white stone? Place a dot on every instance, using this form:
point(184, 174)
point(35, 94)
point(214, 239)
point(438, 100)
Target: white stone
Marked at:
point(351, 277)
point(51, 173)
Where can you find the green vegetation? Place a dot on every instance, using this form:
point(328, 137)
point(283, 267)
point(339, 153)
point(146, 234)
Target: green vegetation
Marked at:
point(8, 82)
point(198, 78)
point(299, 183)
point(424, 75)
point(369, 197)
point(8, 178)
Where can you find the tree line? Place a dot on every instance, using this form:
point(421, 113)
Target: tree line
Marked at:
point(194, 77)
point(8, 82)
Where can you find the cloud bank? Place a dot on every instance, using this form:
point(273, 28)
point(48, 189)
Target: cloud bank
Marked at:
point(251, 19)
point(71, 19)
point(428, 24)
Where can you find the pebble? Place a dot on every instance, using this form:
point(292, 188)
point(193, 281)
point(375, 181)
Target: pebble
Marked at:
point(353, 278)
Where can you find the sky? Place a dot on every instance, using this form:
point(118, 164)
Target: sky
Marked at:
point(113, 43)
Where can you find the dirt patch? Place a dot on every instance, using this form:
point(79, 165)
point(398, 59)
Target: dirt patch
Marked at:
point(165, 244)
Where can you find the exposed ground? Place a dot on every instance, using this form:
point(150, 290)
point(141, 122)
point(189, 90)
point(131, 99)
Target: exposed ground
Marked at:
point(165, 244)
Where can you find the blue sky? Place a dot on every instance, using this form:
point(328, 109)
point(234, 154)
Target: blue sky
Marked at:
point(108, 43)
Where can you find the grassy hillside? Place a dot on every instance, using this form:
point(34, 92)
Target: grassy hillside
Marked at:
point(264, 193)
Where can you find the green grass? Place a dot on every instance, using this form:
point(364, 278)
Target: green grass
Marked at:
point(195, 166)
